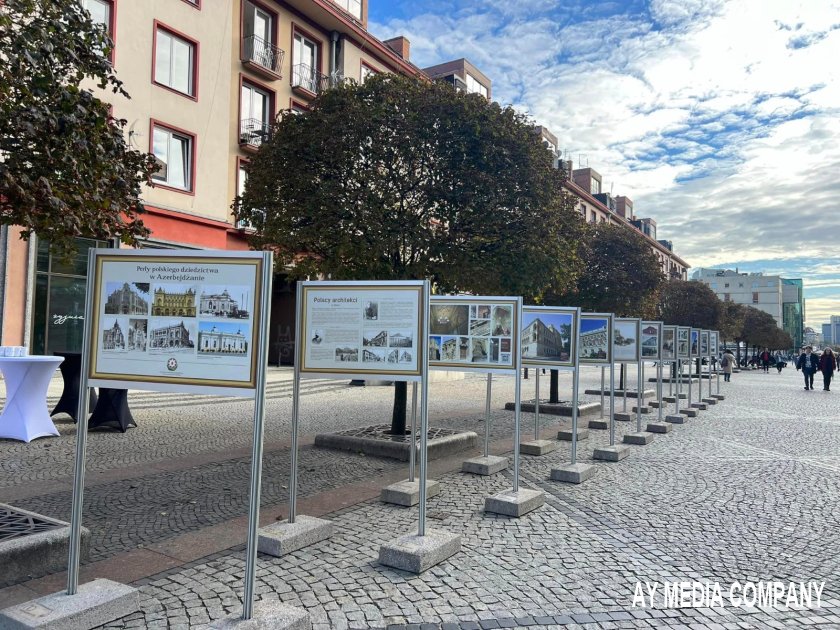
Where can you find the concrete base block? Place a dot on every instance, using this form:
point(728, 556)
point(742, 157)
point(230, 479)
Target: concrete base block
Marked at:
point(622, 416)
point(516, 504)
point(659, 427)
point(710, 401)
point(699, 405)
point(377, 442)
point(36, 554)
point(573, 473)
point(673, 399)
point(284, 537)
point(268, 615)
point(691, 413)
point(566, 434)
point(407, 493)
point(416, 554)
point(94, 604)
point(680, 419)
point(655, 404)
point(642, 438)
point(644, 409)
point(719, 396)
point(666, 379)
point(557, 409)
point(599, 424)
point(486, 466)
point(538, 447)
point(611, 453)
point(619, 393)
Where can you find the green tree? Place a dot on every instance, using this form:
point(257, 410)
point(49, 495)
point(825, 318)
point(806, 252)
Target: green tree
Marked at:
point(65, 168)
point(403, 179)
point(690, 303)
point(620, 274)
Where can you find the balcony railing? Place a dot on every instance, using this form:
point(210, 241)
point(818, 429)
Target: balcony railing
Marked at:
point(309, 79)
point(253, 132)
point(263, 54)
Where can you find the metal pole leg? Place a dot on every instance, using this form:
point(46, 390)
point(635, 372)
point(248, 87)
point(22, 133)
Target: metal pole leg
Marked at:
point(487, 416)
point(412, 439)
point(602, 391)
point(537, 404)
point(612, 404)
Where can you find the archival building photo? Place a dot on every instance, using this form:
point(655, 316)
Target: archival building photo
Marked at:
point(547, 336)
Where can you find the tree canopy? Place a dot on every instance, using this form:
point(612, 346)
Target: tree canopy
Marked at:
point(399, 178)
point(690, 303)
point(65, 168)
point(620, 274)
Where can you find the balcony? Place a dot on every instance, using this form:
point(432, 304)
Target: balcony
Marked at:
point(262, 56)
point(309, 82)
point(252, 133)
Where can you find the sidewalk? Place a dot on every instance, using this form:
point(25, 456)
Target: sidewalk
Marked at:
point(746, 491)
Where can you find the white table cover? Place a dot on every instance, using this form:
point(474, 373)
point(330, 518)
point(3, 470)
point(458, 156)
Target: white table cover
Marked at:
point(26, 415)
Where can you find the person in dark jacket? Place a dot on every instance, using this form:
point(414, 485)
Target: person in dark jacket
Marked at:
point(827, 365)
point(808, 364)
point(765, 359)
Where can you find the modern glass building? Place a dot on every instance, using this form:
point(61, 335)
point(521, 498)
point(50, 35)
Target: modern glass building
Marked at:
point(793, 310)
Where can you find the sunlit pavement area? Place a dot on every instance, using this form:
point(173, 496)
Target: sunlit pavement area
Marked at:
point(747, 491)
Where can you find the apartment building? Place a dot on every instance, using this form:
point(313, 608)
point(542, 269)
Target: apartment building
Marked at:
point(463, 75)
point(831, 331)
point(206, 77)
point(597, 206)
point(774, 295)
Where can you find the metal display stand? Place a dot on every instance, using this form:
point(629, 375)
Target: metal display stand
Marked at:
point(101, 601)
point(487, 464)
point(576, 472)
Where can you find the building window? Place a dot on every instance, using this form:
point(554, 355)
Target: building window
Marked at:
point(255, 108)
point(353, 7)
point(594, 186)
point(175, 62)
point(726, 297)
point(366, 72)
point(100, 11)
point(58, 310)
point(174, 153)
point(476, 87)
point(726, 285)
point(305, 54)
point(755, 297)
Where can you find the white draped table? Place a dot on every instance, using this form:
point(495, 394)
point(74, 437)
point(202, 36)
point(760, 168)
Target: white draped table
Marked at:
point(25, 415)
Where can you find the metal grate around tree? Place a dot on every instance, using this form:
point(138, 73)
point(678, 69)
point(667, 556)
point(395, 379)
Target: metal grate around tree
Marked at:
point(15, 524)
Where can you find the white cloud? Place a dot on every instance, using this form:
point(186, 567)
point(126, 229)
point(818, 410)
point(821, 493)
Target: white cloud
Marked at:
point(718, 118)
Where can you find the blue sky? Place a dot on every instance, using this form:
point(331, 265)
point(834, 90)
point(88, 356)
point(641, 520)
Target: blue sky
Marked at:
point(718, 118)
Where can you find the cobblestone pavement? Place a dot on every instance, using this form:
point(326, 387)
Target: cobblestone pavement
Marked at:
point(747, 491)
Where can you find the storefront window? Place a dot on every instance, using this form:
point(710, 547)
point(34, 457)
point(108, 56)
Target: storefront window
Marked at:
point(59, 306)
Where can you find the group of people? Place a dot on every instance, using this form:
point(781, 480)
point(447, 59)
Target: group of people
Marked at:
point(808, 361)
point(810, 364)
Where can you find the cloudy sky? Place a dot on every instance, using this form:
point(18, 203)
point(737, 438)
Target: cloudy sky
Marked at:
point(718, 118)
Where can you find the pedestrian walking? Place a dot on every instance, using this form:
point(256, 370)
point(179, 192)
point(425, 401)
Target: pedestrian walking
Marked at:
point(808, 364)
point(727, 362)
point(765, 360)
point(827, 365)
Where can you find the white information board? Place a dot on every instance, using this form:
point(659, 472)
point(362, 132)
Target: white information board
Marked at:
point(651, 340)
point(627, 338)
point(596, 339)
point(548, 335)
point(474, 333)
point(370, 329)
point(669, 343)
point(176, 320)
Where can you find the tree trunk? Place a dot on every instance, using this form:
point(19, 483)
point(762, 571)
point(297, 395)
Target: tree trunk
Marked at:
point(554, 395)
point(400, 400)
point(621, 378)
